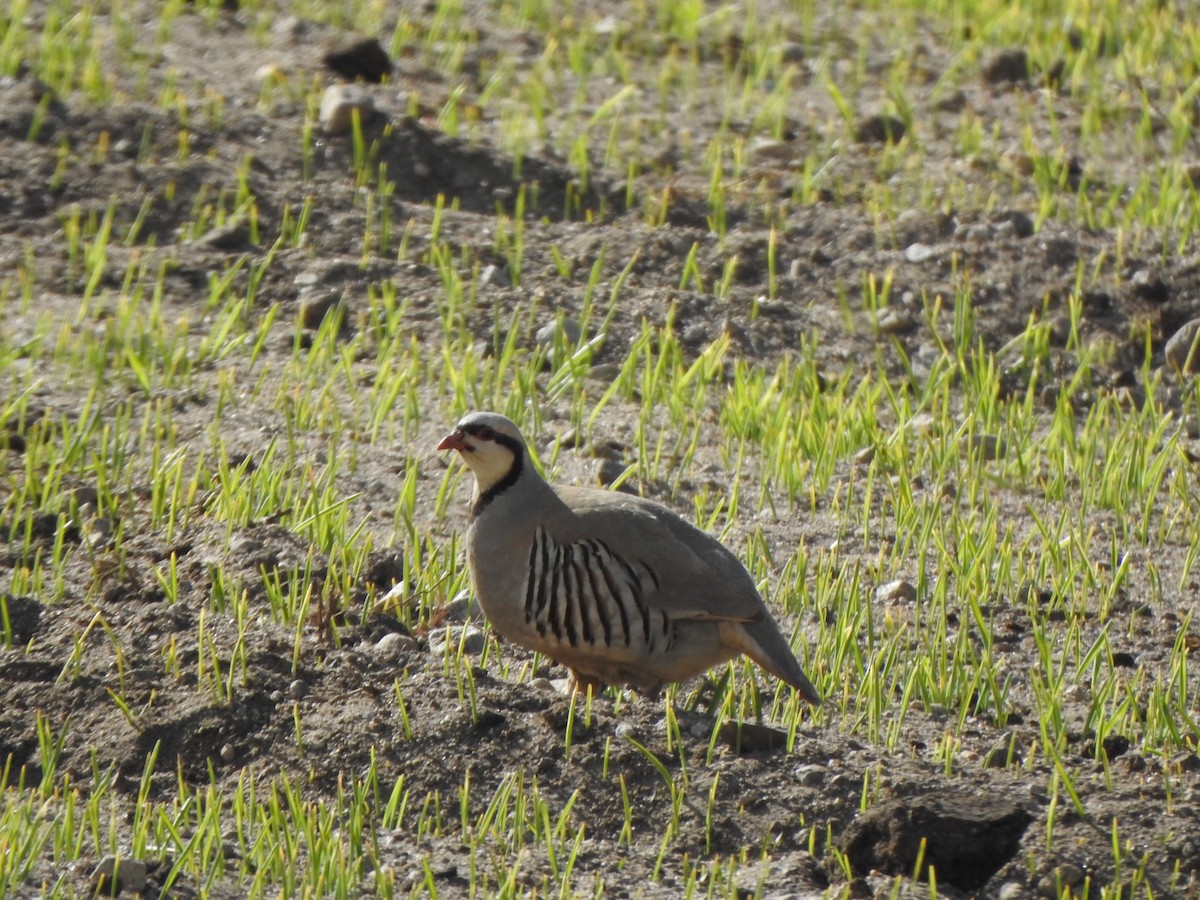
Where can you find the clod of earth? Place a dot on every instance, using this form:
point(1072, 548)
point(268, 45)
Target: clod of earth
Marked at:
point(967, 837)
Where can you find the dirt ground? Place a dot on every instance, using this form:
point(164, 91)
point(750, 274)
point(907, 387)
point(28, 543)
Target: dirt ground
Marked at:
point(766, 799)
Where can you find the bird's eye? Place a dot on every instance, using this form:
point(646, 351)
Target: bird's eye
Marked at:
point(486, 433)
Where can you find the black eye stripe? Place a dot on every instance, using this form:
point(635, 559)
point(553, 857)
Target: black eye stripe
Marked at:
point(483, 432)
point(487, 433)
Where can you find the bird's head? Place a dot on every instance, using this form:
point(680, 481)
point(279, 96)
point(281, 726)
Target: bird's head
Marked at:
point(491, 445)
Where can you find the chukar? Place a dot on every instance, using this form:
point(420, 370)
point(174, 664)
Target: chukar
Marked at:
point(618, 589)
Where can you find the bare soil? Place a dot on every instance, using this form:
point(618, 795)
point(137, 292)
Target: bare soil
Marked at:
point(766, 798)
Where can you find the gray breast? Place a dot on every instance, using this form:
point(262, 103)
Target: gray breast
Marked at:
point(583, 595)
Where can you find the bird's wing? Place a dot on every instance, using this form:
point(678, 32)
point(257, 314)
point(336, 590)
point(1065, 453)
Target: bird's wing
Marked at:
point(694, 575)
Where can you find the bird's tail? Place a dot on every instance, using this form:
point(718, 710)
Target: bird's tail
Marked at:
point(762, 641)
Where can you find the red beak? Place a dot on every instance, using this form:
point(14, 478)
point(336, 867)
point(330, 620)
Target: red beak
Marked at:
point(453, 441)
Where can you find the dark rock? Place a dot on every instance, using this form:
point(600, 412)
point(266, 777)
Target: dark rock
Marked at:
point(1115, 745)
point(1186, 763)
point(747, 737)
point(233, 235)
point(968, 837)
point(1007, 67)
point(23, 615)
point(384, 568)
point(358, 58)
point(1020, 224)
point(879, 129)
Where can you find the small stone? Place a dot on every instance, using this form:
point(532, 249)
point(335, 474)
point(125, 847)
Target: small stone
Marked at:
point(765, 150)
point(297, 689)
point(112, 876)
point(277, 696)
point(340, 102)
point(811, 775)
point(865, 456)
point(289, 28)
point(988, 446)
point(1015, 222)
point(97, 530)
point(792, 52)
point(1007, 67)
point(1069, 874)
point(918, 252)
point(396, 595)
point(314, 309)
point(606, 373)
point(607, 27)
point(894, 321)
point(270, 72)
point(233, 235)
point(1012, 890)
point(470, 638)
point(898, 591)
point(356, 57)
point(571, 438)
point(607, 471)
point(879, 129)
point(626, 730)
point(1183, 349)
point(550, 332)
point(228, 753)
point(495, 276)
point(605, 450)
point(394, 645)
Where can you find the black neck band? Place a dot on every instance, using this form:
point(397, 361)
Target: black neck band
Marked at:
point(509, 479)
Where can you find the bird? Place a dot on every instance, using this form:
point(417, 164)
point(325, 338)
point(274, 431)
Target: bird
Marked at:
point(618, 588)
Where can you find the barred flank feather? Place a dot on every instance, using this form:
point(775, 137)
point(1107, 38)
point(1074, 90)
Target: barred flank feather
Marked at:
point(584, 595)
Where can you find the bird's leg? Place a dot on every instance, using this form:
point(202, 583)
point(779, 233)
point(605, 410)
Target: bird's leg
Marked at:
point(584, 683)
